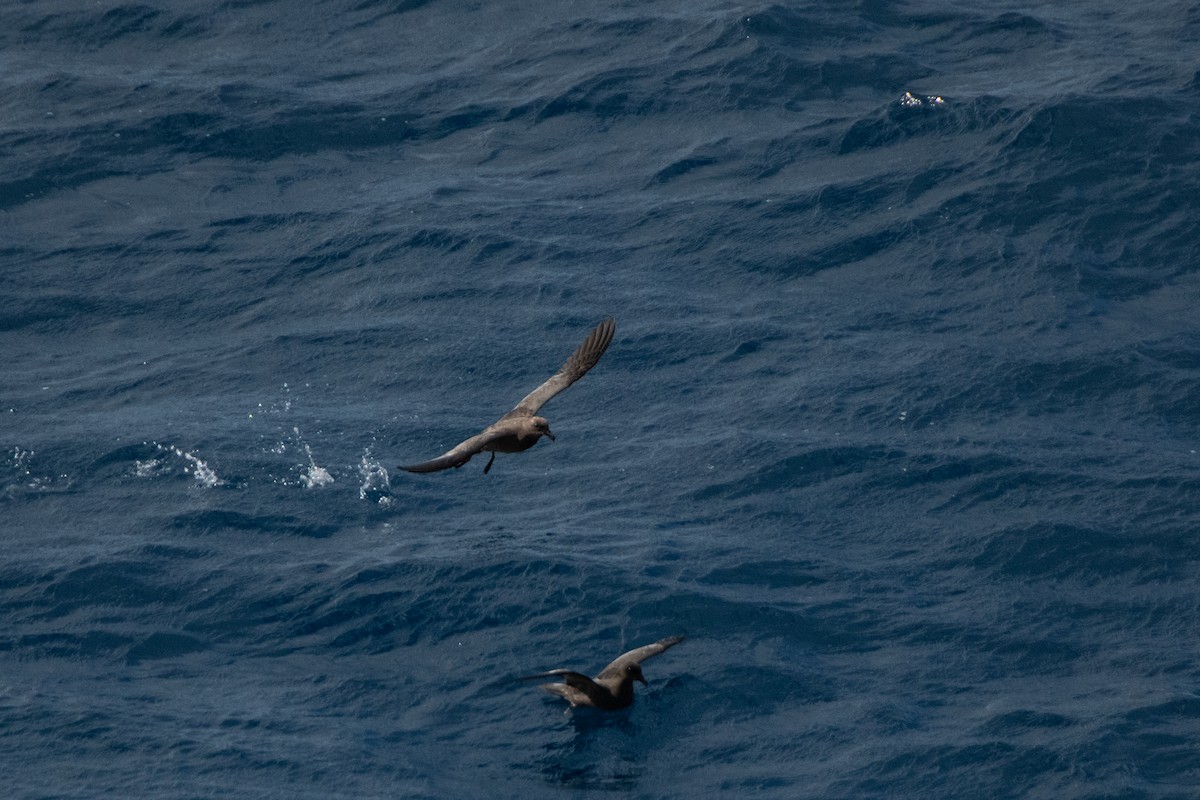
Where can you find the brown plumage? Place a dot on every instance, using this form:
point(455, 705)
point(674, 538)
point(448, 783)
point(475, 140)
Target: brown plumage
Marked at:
point(520, 428)
point(613, 687)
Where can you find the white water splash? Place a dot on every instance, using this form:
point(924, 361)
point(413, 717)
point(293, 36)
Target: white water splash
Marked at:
point(147, 469)
point(18, 475)
point(200, 470)
point(910, 100)
point(307, 473)
point(374, 486)
point(314, 476)
point(20, 460)
point(280, 407)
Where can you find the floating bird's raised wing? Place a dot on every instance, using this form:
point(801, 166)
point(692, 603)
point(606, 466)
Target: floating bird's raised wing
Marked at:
point(618, 667)
point(583, 359)
point(455, 457)
point(599, 695)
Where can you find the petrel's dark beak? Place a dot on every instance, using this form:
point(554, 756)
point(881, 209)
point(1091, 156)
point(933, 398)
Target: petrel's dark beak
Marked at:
point(642, 679)
point(549, 435)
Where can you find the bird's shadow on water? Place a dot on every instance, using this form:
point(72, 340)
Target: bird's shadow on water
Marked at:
point(611, 750)
point(602, 751)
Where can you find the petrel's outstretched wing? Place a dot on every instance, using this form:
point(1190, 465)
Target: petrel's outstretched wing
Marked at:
point(575, 367)
point(456, 456)
point(637, 656)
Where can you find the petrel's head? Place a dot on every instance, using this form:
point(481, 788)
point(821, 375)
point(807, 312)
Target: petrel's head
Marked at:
point(542, 426)
point(634, 671)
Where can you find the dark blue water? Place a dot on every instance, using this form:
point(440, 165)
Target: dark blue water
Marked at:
point(900, 425)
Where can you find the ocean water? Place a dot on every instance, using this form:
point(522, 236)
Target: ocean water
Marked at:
point(900, 426)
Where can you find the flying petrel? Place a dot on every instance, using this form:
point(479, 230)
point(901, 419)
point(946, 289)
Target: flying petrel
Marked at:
point(520, 428)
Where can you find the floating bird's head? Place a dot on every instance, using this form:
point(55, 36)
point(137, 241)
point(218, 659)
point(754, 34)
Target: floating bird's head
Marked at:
point(634, 671)
point(542, 427)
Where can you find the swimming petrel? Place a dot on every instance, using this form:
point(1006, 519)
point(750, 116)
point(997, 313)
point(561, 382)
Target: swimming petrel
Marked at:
point(613, 687)
point(520, 428)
